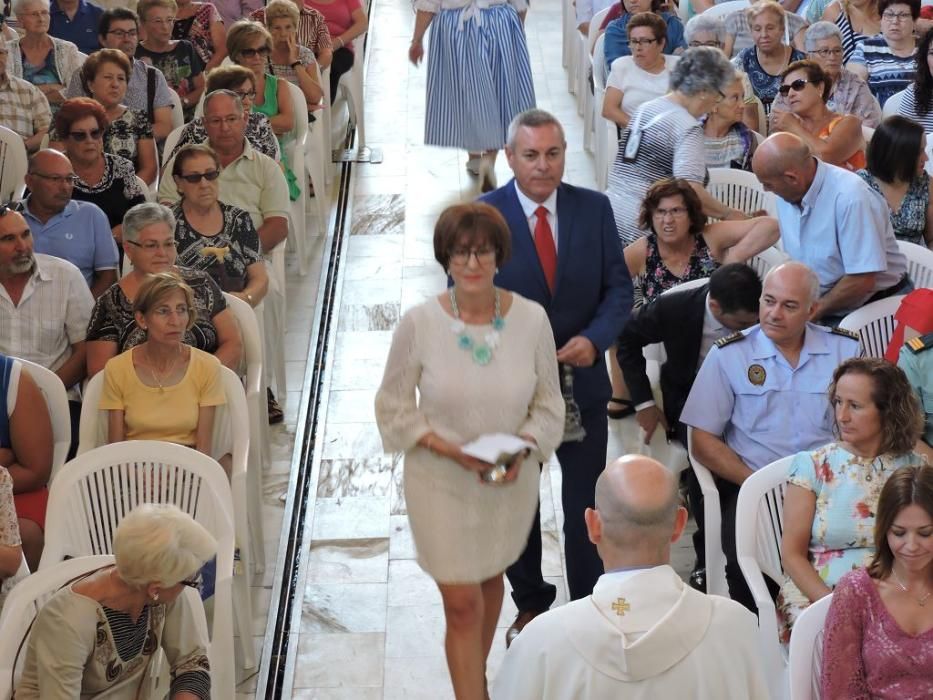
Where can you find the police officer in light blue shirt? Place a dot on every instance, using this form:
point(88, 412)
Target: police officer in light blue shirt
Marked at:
point(834, 223)
point(760, 394)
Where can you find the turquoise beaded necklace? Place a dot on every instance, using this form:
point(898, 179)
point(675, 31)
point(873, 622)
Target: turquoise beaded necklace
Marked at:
point(480, 352)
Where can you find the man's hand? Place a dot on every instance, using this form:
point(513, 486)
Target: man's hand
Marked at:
point(648, 418)
point(578, 352)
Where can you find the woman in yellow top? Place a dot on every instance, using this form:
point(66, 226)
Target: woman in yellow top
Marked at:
point(833, 138)
point(163, 389)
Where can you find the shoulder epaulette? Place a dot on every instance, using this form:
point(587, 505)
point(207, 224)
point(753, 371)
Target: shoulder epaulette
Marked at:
point(845, 333)
point(920, 343)
point(732, 338)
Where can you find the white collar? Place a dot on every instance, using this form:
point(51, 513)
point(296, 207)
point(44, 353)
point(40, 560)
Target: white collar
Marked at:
point(529, 206)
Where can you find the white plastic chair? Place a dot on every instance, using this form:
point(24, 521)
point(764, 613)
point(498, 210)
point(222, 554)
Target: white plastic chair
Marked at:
point(726, 8)
point(590, 106)
point(13, 164)
point(919, 263)
point(740, 189)
point(893, 105)
point(150, 195)
point(606, 140)
point(350, 86)
point(25, 600)
point(231, 436)
point(178, 112)
point(712, 525)
point(56, 398)
point(296, 149)
point(806, 651)
point(874, 324)
point(272, 315)
point(766, 260)
point(99, 487)
point(7, 584)
point(317, 154)
point(170, 142)
point(759, 526)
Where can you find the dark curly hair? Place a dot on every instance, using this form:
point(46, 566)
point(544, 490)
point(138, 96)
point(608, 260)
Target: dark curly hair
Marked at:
point(672, 187)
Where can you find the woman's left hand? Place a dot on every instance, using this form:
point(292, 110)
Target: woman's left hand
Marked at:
point(784, 121)
point(511, 474)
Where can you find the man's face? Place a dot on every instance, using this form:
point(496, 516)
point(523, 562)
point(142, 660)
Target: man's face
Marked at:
point(15, 245)
point(538, 160)
point(225, 127)
point(123, 35)
point(737, 320)
point(786, 185)
point(51, 183)
point(785, 306)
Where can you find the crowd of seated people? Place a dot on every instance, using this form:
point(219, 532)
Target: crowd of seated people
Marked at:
point(757, 368)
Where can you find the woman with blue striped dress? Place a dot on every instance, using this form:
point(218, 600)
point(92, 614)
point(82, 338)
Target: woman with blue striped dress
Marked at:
point(479, 76)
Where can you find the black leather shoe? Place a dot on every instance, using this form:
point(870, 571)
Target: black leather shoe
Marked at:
point(697, 580)
point(522, 619)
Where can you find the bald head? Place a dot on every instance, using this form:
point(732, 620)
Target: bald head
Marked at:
point(636, 500)
point(781, 152)
point(797, 277)
point(49, 179)
point(48, 159)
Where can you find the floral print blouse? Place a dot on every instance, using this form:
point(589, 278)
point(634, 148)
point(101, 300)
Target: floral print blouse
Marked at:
point(658, 278)
point(197, 29)
point(910, 221)
point(9, 525)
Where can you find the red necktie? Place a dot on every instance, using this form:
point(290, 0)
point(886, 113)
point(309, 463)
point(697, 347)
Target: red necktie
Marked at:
point(544, 244)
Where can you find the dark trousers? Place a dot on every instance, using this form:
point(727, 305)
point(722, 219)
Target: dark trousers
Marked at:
point(74, 409)
point(581, 464)
point(694, 501)
point(342, 62)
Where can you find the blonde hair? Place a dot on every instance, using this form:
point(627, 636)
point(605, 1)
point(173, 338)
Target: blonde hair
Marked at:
point(241, 33)
point(145, 5)
point(763, 6)
point(279, 9)
point(157, 287)
point(159, 543)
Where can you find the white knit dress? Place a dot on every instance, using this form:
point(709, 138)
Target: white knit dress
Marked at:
point(466, 531)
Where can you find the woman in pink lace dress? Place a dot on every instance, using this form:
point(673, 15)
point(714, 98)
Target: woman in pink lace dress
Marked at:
point(879, 631)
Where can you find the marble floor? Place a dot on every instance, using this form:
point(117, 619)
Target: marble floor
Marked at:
point(372, 623)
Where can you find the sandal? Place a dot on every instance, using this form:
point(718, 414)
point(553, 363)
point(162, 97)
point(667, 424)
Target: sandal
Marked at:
point(628, 409)
point(276, 415)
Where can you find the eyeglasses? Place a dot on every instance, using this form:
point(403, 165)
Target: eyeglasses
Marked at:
point(828, 53)
point(642, 42)
point(675, 212)
point(124, 33)
point(58, 179)
point(897, 16)
point(252, 53)
point(165, 311)
point(249, 95)
point(797, 86)
point(231, 121)
point(37, 14)
point(164, 21)
point(152, 246)
point(709, 44)
point(461, 256)
point(193, 582)
point(195, 178)
point(93, 134)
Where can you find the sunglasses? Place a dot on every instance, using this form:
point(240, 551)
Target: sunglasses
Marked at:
point(796, 86)
point(252, 53)
point(93, 134)
point(195, 178)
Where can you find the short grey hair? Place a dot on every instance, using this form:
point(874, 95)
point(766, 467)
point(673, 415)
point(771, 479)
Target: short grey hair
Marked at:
point(532, 118)
point(20, 5)
point(144, 215)
point(702, 69)
point(820, 31)
point(237, 100)
point(157, 543)
point(703, 23)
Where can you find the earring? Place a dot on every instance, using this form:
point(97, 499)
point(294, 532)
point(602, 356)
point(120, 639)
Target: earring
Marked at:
point(155, 597)
point(497, 270)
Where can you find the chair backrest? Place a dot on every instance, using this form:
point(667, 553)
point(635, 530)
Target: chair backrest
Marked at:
point(766, 260)
point(8, 583)
point(594, 32)
point(806, 651)
point(170, 142)
point(252, 341)
point(92, 428)
point(726, 8)
point(147, 191)
point(599, 70)
point(178, 113)
point(13, 165)
point(919, 263)
point(893, 104)
point(299, 107)
point(740, 190)
point(874, 324)
point(759, 526)
point(56, 398)
point(25, 600)
point(712, 524)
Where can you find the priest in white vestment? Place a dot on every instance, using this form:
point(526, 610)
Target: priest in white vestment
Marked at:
point(643, 633)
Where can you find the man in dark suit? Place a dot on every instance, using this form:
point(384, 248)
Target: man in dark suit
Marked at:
point(565, 256)
point(687, 322)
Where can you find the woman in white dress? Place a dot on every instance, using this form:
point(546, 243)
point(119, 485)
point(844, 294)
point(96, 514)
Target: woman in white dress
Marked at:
point(482, 360)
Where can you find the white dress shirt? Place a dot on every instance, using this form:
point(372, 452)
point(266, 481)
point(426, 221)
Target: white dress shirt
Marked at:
point(529, 206)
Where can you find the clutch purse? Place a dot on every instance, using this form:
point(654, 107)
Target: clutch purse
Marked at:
point(573, 421)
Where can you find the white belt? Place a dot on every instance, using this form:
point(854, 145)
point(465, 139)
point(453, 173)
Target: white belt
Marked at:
point(472, 11)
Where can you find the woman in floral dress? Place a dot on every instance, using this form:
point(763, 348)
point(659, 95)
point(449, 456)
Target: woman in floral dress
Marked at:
point(832, 493)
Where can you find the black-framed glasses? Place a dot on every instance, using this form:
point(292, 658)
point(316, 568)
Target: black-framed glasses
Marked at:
point(797, 86)
point(828, 53)
point(252, 53)
point(248, 95)
point(642, 42)
point(58, 179)
point(124, 33)
point(79, 136)
point(896, 16)
point(195, 178)
point(709, 44)
point(461, 256)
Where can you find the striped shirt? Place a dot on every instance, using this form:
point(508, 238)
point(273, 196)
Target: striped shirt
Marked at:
point(908, 108)
point(23, 108)
point(850, 37)
point(887, 72)
point(312, 29)
point(672, 145)
point(52, 314)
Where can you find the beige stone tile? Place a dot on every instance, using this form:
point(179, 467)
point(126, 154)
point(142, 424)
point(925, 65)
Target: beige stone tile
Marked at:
point(410, 585)
point(415, 631)
point(419, 678)
point(349, 561)
point(344, 608)
point(351, 518)
point(340, 660)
